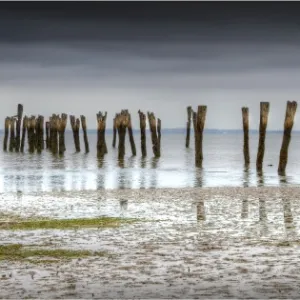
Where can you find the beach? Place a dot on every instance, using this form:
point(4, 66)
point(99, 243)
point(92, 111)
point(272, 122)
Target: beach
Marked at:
point(186, 243)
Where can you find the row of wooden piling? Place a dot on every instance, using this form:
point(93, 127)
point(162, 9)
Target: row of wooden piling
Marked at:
point(199, 121)
point(55, 133)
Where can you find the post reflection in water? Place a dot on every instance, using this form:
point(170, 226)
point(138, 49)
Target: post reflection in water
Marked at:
point(198, 182)
point(143, 163)
point(246, 176)
point(83, 175)
point(245, 204)
point(154, 166)
point(260, 178)
point(201, 211)
point(123, 207)
point(283, 180)
point(288, 217)
point(58, 178)
point(263, 222)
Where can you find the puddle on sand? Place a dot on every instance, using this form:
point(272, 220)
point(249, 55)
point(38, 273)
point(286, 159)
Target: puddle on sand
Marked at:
point(212, 243)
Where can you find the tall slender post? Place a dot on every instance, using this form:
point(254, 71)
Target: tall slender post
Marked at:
point(154, 137)
point(200, 122)
point(143, 133)
point(12, 142)
point(6, 133)
point(31, 134)
point(85, 138)
point(18, 127)
point(47, 135)
point(101, 143)
point(114, 132)
point(24, 128)
point(159, 133)
point(62, 123)
point(39, 134)
point(121, 124)
point(264, 113)
point(188, 126)
point(291, 108)
point(75, 124)
point(245, 115)
point(131, 138)
point(54, 133)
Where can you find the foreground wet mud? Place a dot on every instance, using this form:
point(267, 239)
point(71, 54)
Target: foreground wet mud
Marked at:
point(211, 243)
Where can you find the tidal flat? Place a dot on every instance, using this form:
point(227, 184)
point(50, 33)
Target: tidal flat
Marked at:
point(196, 243)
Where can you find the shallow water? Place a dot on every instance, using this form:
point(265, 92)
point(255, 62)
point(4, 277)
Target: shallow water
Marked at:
point(222, 166)
point(209, 242)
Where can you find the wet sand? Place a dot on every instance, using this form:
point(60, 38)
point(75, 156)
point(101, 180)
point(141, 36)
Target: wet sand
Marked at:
point(199, 243)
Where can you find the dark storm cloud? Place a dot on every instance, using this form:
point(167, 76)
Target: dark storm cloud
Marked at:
point(223, 54)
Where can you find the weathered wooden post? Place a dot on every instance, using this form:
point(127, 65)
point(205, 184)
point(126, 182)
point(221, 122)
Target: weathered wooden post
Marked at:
point(12, 142)
point(130, 133)
point(159, 133)
point(291, 108)
point(85, 138)
point(18, 127)
point(39, 133)
point(101, 143)
point(62, 124)
point(6, 132)
point(47, 135)
point(54, 133)
point(143, 133)
point(154, 137)
point(121, 124)
point(200, 122)
point(188, 126)
point(24, 128)
point(245, 115)
point(264, 113)
point(75, 124)
point(31, 134)
point(114, 132)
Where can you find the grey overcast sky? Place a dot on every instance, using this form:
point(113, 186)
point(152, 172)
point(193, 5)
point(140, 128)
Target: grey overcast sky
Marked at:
point(79, 58)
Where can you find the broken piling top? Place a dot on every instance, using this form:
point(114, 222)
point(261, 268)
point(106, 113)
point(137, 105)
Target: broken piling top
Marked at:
point(201, 117)
point(189, 112)
point(101, 120)
point(264, 112)
point(142, 119)
point(83, 122)
point(291, 107)
point(122, 119)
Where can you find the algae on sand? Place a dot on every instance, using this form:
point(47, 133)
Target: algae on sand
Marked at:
point(33, 224)
point(19, 252)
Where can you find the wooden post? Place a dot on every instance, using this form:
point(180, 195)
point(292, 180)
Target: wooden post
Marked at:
point(121, 124)
point(47, 135)
point(101, 143)
point(114, 132)
point(154, 137)
point(159, 133)
point(264, 113)
point(143, 133)
point(245, 115)
point(18, 127)
point(54, 133)
point(39, 133)
point(188, 126)
point(291, 108)
point(200, 122)
point(62, 123)
point(31, 134)
point(200, 211)
point(75, 124)
point(130, 133)
point(12, 142)
point(85, 138)
point(6, 132)
point(24, 128)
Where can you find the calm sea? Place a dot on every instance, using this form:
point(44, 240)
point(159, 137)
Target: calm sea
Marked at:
point(222, 166)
